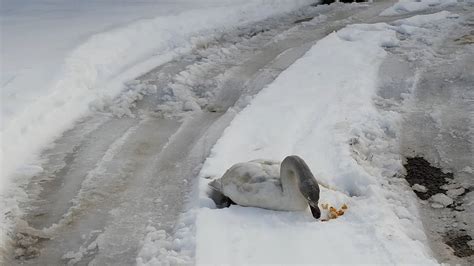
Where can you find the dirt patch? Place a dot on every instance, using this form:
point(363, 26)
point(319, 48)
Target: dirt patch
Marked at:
point(459, 243)
point(254, 32)
point(420, 171)
point(303, 20)
point(26, 246)
point(466, 39)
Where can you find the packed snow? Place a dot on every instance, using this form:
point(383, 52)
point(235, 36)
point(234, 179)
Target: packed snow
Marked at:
point(322, 108)
point(453, 193)
point(409, 6)
point(440, 200)
point(419, 188)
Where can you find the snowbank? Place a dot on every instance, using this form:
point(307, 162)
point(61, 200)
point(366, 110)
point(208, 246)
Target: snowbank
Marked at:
point(322, 109)
point(408, 6)
point(97, 68)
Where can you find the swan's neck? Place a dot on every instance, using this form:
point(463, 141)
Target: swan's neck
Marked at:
point(300, 184)
point(296, 178)
point(290, 182)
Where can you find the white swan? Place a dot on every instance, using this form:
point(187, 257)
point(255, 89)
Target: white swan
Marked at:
point(258, 184)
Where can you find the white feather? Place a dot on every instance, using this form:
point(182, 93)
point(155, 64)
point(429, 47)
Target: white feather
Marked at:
point(258, 184)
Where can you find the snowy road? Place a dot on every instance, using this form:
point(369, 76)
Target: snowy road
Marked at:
point(109, 178)
point(130, 168)
point(442, 108)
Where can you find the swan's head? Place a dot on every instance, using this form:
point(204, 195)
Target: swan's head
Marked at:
point(308, 186)
point(315, 210)
point(311, 193)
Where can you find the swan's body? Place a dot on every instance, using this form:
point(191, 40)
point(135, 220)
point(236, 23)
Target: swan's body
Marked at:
point(264, 184)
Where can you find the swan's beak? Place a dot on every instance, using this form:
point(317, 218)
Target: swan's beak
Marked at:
point(315, 210)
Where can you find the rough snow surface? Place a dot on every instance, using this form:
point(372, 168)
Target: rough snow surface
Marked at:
point(160, 248)
point(321, 108)
point(61, 58)
point(87, 71)
point(408, 6)
point(440, 199)
point(420, 20)
point(453, 193)
point(419, 188)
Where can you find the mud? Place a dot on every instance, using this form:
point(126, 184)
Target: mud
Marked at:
point(459, 243)
point(419, 171)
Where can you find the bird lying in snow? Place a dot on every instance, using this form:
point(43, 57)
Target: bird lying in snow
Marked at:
point(258, 184)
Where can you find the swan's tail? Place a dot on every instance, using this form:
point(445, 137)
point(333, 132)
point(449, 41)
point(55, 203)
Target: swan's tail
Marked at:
point(215, 193)
point(216, 184)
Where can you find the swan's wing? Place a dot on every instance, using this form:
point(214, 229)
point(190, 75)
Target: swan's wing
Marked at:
point(251, 172)
point(251, 182)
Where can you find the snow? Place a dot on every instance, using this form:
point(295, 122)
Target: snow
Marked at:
point(409, 6)
point(453, 193)
point(419, 188)
point(39, 109)
point(440, 200)
point(159, 248)
point(321, 108)
point(468, 170)
point(60, 59)
point(419, 21)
